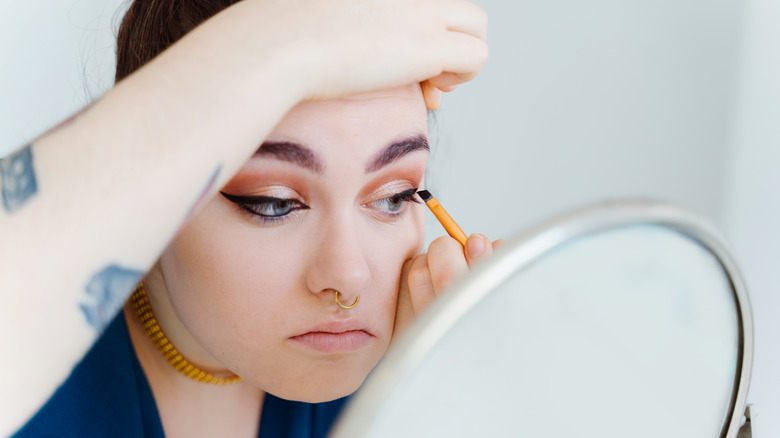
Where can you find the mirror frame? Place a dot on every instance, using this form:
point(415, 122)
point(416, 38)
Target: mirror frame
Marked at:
point(521, 251)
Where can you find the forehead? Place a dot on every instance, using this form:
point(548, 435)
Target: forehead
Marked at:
point(358, 125)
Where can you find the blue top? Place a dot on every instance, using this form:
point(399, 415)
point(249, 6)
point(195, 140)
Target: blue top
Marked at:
point(108, 395)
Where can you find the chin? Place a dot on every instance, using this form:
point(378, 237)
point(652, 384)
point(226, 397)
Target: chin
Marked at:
point(321, 391)
point(327, 396)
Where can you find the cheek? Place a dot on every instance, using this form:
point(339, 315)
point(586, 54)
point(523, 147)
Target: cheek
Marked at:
point(418, 222)
point(389, 251)
point(227, 282)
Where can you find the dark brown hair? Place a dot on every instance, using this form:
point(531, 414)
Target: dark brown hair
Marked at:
point(151, 26)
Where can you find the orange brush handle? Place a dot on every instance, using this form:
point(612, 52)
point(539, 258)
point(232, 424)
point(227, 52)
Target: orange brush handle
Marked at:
point(446, 221)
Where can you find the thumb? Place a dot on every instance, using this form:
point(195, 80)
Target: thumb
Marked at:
point(477, 247)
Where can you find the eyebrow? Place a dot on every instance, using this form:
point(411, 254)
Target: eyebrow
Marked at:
point(397, 150)
point(292, 153)
point(304, 157)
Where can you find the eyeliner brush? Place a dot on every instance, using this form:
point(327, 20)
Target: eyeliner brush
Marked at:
point(445, 219)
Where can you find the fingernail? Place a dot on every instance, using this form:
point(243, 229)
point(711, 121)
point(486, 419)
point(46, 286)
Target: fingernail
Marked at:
point(475, 246)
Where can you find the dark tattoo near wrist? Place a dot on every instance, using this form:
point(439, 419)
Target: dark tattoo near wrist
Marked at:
point(106, 293)
point(17, 178)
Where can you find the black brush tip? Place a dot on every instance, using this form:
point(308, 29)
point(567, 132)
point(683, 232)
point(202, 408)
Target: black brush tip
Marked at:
point(425, 195)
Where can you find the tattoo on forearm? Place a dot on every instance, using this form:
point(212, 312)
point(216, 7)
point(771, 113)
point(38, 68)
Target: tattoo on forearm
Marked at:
point(17, 178)
point(106, 293)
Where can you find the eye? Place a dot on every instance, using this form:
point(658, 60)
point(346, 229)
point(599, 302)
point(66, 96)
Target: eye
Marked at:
point(392, 205)
point(272, 208)
point(266, 207)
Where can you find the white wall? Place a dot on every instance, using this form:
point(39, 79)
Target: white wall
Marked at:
point(54, 57)
point(586, 100)
point(752, 207)
point(581, 101)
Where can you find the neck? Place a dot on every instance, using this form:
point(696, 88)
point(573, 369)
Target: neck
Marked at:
point(188, 407)
point(173, 327)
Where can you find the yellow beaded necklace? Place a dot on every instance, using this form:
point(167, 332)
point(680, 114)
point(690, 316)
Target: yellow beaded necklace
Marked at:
point(146, 316)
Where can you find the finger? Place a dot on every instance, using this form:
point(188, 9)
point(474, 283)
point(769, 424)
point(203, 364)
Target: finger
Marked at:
point(431, 95)
point(477, 248)
point(445, 82)
point(498, 244)
point(446, 263)
point(421, 291)
point(462, 57)
point(466, 17)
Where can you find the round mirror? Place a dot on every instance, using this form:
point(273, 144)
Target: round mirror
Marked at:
point(623, 319)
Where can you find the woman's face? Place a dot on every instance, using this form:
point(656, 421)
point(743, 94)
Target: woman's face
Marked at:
point(322, 206)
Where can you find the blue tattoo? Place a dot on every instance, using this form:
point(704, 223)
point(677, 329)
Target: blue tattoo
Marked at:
point(107, 292)
point(17, 178)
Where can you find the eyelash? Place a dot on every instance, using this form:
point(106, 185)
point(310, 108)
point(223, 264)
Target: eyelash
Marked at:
point(254, 205)
point(403, 197)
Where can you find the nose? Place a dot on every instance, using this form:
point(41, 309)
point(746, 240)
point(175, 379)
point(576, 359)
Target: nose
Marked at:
point(340, 263)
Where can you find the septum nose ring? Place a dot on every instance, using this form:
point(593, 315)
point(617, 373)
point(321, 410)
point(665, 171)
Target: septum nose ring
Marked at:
point(351, 306)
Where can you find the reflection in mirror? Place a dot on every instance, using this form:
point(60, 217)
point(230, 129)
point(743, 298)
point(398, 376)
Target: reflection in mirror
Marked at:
point(595, 325)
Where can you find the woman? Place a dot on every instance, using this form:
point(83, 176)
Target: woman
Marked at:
point(288, 284)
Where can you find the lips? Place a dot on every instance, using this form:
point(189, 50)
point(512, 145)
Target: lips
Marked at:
point(331, 338)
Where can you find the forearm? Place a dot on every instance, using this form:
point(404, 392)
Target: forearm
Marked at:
point(111, 189)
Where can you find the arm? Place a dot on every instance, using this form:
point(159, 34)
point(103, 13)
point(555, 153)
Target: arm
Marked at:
point(91, 205)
